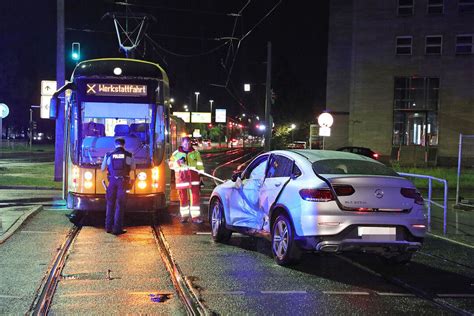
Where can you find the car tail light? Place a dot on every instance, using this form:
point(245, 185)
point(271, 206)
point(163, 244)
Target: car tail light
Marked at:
point(344, 190)
point(316, 195)
point(375, 156)
point(412, 194)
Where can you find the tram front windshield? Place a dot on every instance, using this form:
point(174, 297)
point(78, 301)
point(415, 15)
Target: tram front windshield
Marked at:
point(102, 122)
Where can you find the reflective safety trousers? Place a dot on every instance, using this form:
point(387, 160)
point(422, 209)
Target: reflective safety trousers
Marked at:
point(184, 177)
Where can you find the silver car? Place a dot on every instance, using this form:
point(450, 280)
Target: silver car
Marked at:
point(323, 201)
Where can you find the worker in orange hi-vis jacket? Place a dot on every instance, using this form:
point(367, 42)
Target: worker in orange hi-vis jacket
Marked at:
point(187, 180)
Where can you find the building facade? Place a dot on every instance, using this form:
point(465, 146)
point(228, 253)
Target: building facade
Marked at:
point(401, 77)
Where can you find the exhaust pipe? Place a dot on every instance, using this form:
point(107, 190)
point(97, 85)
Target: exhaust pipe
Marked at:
point(327, 248)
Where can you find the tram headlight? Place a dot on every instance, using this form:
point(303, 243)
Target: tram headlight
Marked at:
point(141, 176)
point(141, 184)
point(88, 175)
point(88, 184)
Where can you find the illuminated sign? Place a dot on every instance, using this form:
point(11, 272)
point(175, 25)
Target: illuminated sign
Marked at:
point(116, 89)
point(221, 116)
point(185, 116)
point(201, 117)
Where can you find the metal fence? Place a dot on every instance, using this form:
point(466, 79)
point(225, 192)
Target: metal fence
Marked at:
point(430, 197)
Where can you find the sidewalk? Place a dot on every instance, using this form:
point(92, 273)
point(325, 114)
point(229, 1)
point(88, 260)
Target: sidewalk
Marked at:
point(19, 204)
point(11, 219)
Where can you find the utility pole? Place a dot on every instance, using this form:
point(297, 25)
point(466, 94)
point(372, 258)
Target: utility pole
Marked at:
point(59, 135)
point(268, 99)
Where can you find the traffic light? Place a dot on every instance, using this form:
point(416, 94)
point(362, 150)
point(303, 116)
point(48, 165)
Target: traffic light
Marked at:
point(34, 125)
point(76, 51)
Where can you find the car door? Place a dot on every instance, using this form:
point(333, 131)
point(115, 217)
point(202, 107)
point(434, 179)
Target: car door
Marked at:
point(244, 200)
point(278, 173)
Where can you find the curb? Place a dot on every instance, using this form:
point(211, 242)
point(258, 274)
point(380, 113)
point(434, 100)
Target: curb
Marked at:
point(19, 222)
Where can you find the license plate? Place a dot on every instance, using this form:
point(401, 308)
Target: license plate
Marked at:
point(377, 233)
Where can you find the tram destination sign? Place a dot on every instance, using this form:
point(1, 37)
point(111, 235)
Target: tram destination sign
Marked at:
point(116, 90)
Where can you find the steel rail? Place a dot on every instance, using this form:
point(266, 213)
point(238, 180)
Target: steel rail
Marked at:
point(410, 288)
point(446, 259)
point(44, 294)
point(190, 299)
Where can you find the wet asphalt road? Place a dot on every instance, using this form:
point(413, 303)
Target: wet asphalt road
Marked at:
point(231, 279)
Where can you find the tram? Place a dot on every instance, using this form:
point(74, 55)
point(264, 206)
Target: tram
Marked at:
point(112, 98)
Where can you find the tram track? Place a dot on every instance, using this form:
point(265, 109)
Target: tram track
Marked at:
point(418, 292)
point(462, 265)
point(45, 293)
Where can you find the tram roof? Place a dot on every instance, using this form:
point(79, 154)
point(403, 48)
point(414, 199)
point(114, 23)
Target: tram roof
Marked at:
point(104, 67)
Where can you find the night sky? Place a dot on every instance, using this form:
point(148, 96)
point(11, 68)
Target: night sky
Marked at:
point(180, 40)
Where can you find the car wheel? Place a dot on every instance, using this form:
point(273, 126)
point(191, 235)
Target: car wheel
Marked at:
point(399, 259)
point(217, 219)
point(284, 249)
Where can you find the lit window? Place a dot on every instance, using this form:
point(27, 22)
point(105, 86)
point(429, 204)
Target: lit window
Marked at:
point(433, 45)
point(404, 45)
point(415, 111)
point(465, 44)
point(405, 7)
point(466, 5)
point(435, 6)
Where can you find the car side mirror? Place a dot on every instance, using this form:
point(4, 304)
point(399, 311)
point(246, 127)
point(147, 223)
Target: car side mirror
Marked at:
point(236, 175)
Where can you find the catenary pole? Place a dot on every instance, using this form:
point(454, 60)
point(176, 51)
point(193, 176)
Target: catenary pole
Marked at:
point(59, 135)
point(268, 99)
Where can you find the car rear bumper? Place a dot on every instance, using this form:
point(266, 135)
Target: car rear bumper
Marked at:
point(349, 240)
point(368, 246)
point(97, 203)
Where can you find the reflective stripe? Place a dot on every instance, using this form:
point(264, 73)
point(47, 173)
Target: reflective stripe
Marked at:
point(195, 211)
point(184, 211)
point(195, 182)
point(199, 163)
point(182, 184)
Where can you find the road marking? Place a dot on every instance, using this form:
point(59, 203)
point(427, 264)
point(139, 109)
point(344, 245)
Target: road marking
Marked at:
point(283, 292)
point(38, 232)
point(395, 294)
point(210, 233)
point(451, 240)
point(346, 293)
point(10, 296)
point(225, 293)
point(457, 295)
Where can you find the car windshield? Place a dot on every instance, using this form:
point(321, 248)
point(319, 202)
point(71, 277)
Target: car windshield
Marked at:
point(352, 167)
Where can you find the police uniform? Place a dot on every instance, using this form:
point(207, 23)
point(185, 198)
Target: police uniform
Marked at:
point(188, 181)
point(119, 163)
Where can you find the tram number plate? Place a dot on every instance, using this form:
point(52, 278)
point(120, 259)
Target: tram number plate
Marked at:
point(377, 233)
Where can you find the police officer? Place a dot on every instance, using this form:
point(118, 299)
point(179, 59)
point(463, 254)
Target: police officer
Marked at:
point(187, 180)
point(119, 163)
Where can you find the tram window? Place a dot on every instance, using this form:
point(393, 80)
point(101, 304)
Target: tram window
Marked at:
point(100, 127)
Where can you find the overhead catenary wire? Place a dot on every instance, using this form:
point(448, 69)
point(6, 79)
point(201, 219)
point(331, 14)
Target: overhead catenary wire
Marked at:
point(208, 52)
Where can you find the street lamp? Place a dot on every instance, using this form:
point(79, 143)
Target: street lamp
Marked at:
point(292, 128)
point(171, 102)
point(197, 99)
point(211, 101)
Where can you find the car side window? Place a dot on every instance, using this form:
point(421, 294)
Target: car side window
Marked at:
point(296, 171)
point(279, 167)
point(257, 169)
